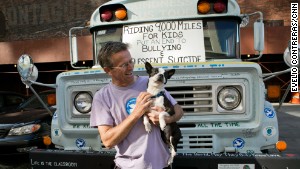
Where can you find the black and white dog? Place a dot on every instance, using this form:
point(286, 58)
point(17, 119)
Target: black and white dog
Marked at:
point(170, 133)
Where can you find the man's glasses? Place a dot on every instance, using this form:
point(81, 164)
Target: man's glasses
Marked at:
point(125, 65)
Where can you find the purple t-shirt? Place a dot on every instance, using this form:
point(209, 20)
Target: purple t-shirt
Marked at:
point(139, 150)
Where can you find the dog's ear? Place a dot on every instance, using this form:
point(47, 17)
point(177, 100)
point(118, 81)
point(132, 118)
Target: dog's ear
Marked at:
point(148, 67)
point(169, 73)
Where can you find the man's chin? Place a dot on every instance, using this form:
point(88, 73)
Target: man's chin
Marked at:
point(129, 77)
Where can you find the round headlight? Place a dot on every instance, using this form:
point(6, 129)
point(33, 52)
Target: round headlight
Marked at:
point(229, 98)
point(83, 102)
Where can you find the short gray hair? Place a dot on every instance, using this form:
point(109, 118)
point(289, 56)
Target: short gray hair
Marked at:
point(107, 50)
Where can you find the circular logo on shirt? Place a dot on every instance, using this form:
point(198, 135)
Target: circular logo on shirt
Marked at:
point(130, 105)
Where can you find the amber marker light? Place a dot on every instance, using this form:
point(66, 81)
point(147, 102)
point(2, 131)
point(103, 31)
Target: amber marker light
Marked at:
point(35, 127)
point(121, 13)
point(51, 99)
point(281, 146)
point(47, 140)
point(203, 7)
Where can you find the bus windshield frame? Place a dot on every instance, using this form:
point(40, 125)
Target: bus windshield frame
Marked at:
point(221, 38)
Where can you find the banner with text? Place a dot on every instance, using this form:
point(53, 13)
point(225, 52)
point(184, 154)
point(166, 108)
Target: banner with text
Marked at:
point(166, 42)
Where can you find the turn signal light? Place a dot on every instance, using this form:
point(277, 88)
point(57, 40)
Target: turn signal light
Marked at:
point(51, 99)
point(113, 12)
point(281, 145)
point(203, 7)
point(121, 13)
point(212, 6)
point(47, 140)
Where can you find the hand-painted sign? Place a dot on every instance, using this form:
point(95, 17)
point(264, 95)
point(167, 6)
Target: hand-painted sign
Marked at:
point(166, 42)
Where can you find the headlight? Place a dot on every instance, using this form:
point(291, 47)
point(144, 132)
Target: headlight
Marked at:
point(24, 130)
point(229, 98)
point(83, 102)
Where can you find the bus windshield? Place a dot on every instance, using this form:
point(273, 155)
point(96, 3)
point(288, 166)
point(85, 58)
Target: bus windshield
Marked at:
point(176, 41)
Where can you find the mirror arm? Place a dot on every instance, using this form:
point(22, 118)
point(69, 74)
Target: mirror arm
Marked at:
point(261, 16)
point(28, 83)
point(277, 73)
point(271, 75)
point(42, 84)
point(284, 96)
point(260, 55)
point(38, 97)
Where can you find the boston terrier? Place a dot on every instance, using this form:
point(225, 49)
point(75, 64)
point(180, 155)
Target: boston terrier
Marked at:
point(170, 133)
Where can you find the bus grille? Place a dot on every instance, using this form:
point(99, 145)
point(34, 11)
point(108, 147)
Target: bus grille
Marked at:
point(199, 142)
point(195, 99)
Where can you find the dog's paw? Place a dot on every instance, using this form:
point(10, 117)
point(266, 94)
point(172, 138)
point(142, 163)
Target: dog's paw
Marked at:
point(173, 154)
point(170, 161)
point(147, 124)
point(148, 127)
point(162, 125)
point(162, 122)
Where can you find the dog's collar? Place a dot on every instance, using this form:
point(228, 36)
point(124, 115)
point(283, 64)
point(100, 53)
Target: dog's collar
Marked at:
point(158, 94)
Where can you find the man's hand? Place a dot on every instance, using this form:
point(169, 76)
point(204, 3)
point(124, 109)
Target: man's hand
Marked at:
point(153, 115)
point(143, 103)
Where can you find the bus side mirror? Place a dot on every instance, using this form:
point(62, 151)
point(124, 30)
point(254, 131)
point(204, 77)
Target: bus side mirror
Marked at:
point(73, 46)
point(26, 68)
point(259, 33)
point(259, 36)
point(73, 51)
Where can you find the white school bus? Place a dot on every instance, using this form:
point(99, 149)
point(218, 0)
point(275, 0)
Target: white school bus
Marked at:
point(227, 120)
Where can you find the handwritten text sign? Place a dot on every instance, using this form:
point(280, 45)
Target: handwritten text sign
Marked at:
point(166, 42)
point(218, 125)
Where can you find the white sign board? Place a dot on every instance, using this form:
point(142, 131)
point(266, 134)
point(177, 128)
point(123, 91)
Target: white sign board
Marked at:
point(236, 166)
point(166, 42)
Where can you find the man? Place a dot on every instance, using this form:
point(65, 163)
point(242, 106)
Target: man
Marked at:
point(117, 110)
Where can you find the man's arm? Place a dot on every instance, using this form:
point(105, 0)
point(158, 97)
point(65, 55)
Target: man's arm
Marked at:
point(177, 116)
point(112, 136)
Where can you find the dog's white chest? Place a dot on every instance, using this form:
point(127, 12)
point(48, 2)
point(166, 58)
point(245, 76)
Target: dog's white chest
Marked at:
point(159, 101)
